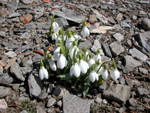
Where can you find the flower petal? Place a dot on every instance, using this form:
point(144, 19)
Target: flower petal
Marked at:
point(45, 72)
point(52, 65)
point(41, 75)
point(91, 62)
point(76, 70)
point(92, 77)
point(71, 70)
point(85, 32)
point(115, 74)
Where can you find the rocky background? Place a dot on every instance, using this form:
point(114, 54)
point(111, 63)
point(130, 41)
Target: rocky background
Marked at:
point(120, 27)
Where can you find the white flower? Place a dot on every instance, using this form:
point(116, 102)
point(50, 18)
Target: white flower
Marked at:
point(115, 74)
point(57, 39)
point(71, 51)
point(85, 32)
point(104, 73)
point(91, 62)
point(77, 37)
point(56, 53)
point(75, 70)
point(52, 65)
point(43, 73)
point(97, 57)
point(69, 42)
point(93, 76)
point(83, 66)
point(62, 61)
point(55, 26)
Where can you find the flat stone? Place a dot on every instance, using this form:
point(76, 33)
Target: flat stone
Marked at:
point(11, 54)
point(119, 37)
point(1, 70)
point(74, 104)
point(131, 63)
point(143, 70)
point(34, 85)
point(102, 87)
point(124, 24)
point(43, 25)
point(119, 17)
point(21, 49)
point(119, 93)
point(4, 91)
point(62, 22)
point(116, 48)
point(122, 80)
point(106, 49)
point(43, 95)
point(26, 19)
point(142, 92)
point(51, 102)
point(145, 23)
point(3, 104)
point(27, 1)
point(25, 35)
point(40, 109)
point(87, 43)
point(132, 102)
point(92, 18)
point(6, 79)
point(13, 15)
point(60, 91)
point(16, 71)
point(30, 26)
point(98, 100)
point(129, 82)
point(10, 63)
point(102, 29)
point(2, 34)
point(24, 111)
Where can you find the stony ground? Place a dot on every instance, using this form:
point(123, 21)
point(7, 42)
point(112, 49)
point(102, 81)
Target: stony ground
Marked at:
point(120, 27)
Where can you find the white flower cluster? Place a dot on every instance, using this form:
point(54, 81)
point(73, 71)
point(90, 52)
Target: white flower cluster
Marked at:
point(66, 54)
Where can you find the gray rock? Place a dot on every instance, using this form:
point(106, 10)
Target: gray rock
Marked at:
point(119, 37)
point(116, 48)
point(1, 20)
point(40, 109)
point(4, 91)
point(136, 83)
point(1, 71)
point(27, 62)
point(122, 80)
point(22, 49)
point(60, 91)
point(106, 49)
point(43, 25)
point(39, 11)
point(119, 17)
point(30, 26)
point(102, 87)
point(131, 63)
point(100, 17)
point(62, 22)
point(24, 111)
point(87, 43)
point(25, 35)
point(6, 79)
point(11, 54)
point(119, 93)
point(26, 70)
point(59, 103)
point(13, 15)
point(142, 13)
point(69, 15)
point(129, 82)
point(34, 85)
point(2, 34)
point(111, 20)
point(132, 102)
point(143, 71)
point(145, 24)
point(123, 10)
point(74, 104)
point(16, 71)
point(142, 92)
point(27, 1)
point(98, 100)
point(3, 104)
point(51, 102)
point(124, 24)
point(50, 88)
point(43, 95)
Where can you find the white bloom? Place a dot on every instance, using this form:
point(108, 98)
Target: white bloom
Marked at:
point(83, 66)
point(104, 73)
point(54, 36)
point(56, 53)
point(55, 26)
point(52, 65)
point(57, 40)
point(61, 62)
point(91, 62)
point(93, 76)
point(71, 51)
point(43, 73)
point(85, 32)
point(75, 70)
point(115, 74)
point(69, 42)
point(77, 37)
point(97, 67)
point(97, 57)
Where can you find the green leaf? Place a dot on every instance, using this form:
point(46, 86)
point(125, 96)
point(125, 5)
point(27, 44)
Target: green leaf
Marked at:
point(85, 90)
point(104, 63)
point(65, 77)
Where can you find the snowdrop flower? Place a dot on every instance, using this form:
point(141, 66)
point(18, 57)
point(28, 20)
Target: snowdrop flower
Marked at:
point(93, 75)
point(83, 65)
point(70, 40)
point(54, 36)
point(104, 72)
point(56, 53)
point(77, 37)
point(51, 63)
point(55, 25)
point(43, 73)
point(62, 61)
point(71, 51)
point(85, 31)
point(97, 56)
point(75, 69)
point(98, 65)
point(115, 74)
point(91, 61)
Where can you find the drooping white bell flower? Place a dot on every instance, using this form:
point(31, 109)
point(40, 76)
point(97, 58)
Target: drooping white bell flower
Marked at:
point(115, 74)
point(93, 75)
point(54, 36)
point(56, 53)
point(58, 39)
point(77, 37)
point(85, 31)
point(98, 65)
point(70, 40)
point(62, 61)
point(104, 73)
point(83, 65)
point(55, 25)
point(71, 51)
point(97, 56)
point(75, 69)
point(91, 61)
point(43, 73)
point(51, 63)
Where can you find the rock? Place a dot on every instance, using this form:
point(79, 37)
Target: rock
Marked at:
point(27, 1)
point(136, 83)
point(26, 19)
point(15, 20)
point(4, 91)
point(60, 91)
point(13, 15)
point(3, 104)
point(145, 23)
point(132, 102)
point(123, 10)
point(2, 34)
point(62, 22)
point(69, 15)
point(6, 79)
point(98, 100)
point(43, 95)
point(24, 111)
point(74, 104)
point(102, 87)
point(50, 88)
point(11, 54)
point(116, 48)
point(125, 24)
point(142, 13)
point(39, 11)
point(43, 25)
point(40, 109)
point(142, 92)
point(111, 20)
point(34, 85)
point(16, 71)
point(59, 103)
point(119, 93)
point(129, 82)
point(87, 43)
point(143, 71)
point(25, 35)
point(106, 49)
point(51, 102)
point(122, 80)
point(30, 26)
point(119, 37)
point(119, 17)
point(1, 70)
point(100, 17)
point(92, 18)
point(102, 29)
point(21, 49)
point(10, 63)
point(131, 63)
point(137, 54)
point(26, 70)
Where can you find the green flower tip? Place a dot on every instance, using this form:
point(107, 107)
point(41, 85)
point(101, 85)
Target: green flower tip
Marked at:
point(80, 57)
point(90, 56)
point(115, 67)
point(75, 60)
point(85, 24)
point(98, 51)
point(60, 32)
point(92, 68)
point(105, 67)
point(49, 56)
point(61, 51)
point(69, 34)
point(41, 63)
point(98, 62)
point(60, 42)
point(74, 43)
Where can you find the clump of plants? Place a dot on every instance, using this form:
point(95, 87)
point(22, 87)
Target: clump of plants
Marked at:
point(78, 67)
point(28, 106)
